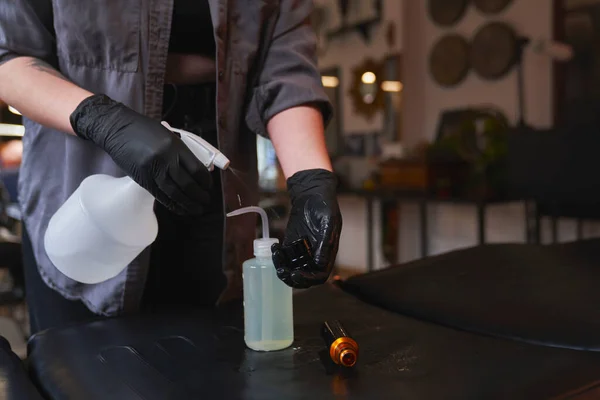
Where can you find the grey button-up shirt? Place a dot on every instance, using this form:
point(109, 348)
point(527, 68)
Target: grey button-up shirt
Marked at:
point(265, 64)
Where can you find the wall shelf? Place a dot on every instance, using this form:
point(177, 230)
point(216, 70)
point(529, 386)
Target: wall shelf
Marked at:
point(362, 27)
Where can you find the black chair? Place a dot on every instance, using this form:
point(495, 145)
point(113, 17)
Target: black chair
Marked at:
point(540, 294)
point(556, 169)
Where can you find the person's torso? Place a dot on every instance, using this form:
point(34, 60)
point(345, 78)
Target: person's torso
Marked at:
point(122, 51)
point(192, 30)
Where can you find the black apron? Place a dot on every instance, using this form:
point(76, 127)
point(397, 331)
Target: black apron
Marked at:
point(186, 258)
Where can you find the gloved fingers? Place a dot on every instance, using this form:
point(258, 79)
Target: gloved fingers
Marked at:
point(284, 275)
point(189, 187)
point(199, 173)
point(280, 262)
point(290, 235)
point(302, 279)
point(298, 278)
point(176, 196)
point(326, 242)
point(169, 204)
point(278, 256)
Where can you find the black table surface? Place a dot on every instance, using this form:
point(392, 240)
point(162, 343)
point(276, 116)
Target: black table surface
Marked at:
point(14, 381)
point(203, 356)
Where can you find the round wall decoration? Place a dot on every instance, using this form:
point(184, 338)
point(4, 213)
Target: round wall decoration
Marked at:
point(447, 12)
point(367, 95)
point(494, 50)
point(490, 7)
point(449, 60)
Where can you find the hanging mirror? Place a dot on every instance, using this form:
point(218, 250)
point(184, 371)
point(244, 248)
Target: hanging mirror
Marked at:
point(367, 96)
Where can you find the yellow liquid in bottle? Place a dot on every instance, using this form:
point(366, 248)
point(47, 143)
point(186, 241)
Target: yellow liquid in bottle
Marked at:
point(268, 309)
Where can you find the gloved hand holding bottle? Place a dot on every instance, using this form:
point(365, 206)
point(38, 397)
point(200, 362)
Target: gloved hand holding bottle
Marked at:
point(148, 152)
point(315, 225)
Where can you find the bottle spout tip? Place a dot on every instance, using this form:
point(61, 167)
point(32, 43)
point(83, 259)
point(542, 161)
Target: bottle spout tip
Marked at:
point(221, 161)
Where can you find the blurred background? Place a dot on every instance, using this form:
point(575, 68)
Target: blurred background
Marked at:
point(450, 122)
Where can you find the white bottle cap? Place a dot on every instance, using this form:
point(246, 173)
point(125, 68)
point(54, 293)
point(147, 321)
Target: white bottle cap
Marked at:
point(262, 247)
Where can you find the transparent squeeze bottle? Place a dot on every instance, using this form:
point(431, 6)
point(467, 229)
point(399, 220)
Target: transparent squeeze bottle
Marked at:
point(268, 310)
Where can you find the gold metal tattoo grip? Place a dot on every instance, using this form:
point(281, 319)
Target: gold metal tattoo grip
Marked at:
point(343, 350)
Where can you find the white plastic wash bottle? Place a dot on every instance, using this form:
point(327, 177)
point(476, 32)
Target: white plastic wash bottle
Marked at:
point(107, 222)
point(268, 309)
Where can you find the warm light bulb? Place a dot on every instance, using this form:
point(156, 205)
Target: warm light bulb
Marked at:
point(368, 78)
point(391, 86)
point(12, 130)
point(13, 110)
point(330, 81)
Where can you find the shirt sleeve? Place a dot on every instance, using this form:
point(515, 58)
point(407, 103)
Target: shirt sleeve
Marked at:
point(26, 29)
point(289, 75)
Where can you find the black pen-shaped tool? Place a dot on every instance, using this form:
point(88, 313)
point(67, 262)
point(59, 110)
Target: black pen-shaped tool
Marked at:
point(343, 349)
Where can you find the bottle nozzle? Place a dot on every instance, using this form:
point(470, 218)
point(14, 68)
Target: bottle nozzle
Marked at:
point(206, 153)
point(263, 217)
point(262, 247)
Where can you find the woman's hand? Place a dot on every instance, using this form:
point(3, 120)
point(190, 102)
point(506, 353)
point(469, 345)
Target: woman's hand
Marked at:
point(316, 218)
point(149, 153)
point(299, 140)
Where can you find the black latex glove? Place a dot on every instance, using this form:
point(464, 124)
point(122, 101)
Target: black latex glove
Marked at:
point(308, 253)
point(149, 153)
